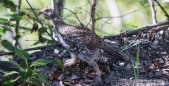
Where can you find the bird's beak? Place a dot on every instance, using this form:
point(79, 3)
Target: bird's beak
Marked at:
point(40, 12)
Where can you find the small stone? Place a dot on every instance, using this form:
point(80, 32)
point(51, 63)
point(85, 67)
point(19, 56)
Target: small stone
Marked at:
point(153, 46)
point(118, 74)
point(121, 64)
point(56, 51)
point(150, 75)
point(158, 74)
point(112, 73)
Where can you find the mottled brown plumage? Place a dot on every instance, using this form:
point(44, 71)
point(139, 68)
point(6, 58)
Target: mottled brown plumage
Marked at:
point(82, 43)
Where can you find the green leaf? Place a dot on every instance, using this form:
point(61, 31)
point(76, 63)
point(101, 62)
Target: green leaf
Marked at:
point(7, 45)
point(35, 82)
point(2, 20)
point(25, 74)
point(8, 83)
point(9, 4)
point(14, 63)
point(42, 62)
point(24, 65)
point(10, 73)
point(14, 17)
point(22, 53)
point(17, 37)
point(78, 69)
point(5, 28)
point(60, 63)
point(43, 78)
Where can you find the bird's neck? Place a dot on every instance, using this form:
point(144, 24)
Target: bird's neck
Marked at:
point(59, 22)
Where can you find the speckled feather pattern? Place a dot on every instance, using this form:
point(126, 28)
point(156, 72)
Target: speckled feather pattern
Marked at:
point(81, 41)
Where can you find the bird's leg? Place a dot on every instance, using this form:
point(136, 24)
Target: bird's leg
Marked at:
point(74, 59)
point(96, 68)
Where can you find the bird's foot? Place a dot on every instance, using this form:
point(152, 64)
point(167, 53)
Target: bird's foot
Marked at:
point(98, 80)
point(70, 62)
point(98, 73)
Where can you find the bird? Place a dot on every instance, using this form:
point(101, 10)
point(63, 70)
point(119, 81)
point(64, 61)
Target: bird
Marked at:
point(81, 42)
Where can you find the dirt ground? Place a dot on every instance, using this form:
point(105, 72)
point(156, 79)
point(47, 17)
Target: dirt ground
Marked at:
point(153, 64)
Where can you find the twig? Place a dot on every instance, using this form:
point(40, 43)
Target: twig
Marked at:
point(93, 14)
point(166, 14)
point(13, 25)
point(75, 16)
point(40, 21)
point(153, 11)
point(56, 14)
point(120, 15)
point(17, 22)
point(60, 6)
point(55, 8)
point(88, 13)
point(30, 49)
point(156, 27)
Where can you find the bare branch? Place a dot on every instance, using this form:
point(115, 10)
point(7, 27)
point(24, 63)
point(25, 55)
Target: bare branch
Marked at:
point(39, 21)
point(153, 11)
point(30, 49)
point(17, 22)
point(166, 14)
point(121, 15)
point(13, 25)
point(155, 27)
point(93, 14)
point(75, 16)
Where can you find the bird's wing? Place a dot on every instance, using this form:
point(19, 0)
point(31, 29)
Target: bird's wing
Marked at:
point(84, 37)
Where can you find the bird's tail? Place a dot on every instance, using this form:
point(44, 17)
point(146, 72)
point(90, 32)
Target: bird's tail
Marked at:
point(115, 54)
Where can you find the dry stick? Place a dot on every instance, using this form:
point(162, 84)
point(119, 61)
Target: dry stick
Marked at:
point(30, 49)
point(156, 27)
point(153, 11)
point(93, 14)
point(122, 14)
point(17, 22)
point(60, 6)
point(13, 25)
point(166, 14)
point(39, 21)
point(75, 16)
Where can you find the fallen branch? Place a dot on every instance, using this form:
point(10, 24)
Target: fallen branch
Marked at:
point(30, 49)
point(155, 27)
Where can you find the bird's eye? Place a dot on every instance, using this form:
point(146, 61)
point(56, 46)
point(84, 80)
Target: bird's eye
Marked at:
point(47, 10)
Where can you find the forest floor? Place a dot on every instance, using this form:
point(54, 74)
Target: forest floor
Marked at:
point(152, 69)
point(147, 63)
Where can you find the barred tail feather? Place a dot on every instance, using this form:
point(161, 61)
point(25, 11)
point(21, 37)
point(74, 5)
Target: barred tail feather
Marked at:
point(115, 54)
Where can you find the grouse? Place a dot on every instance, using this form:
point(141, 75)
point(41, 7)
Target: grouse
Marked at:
point(82, 43)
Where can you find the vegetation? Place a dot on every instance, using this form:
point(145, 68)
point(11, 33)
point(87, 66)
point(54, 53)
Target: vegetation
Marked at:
point(21, 29)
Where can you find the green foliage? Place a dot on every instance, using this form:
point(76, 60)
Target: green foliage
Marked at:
point(10, 73)
point(60, 63)
point(25, 74)
point(2, 20)
point(41, 62)
point(7, 45)
point(8, 4)
point(136, 66)
point(8, 83)
point(19, 52)
point(28, 74)
point(6, 28)
point(43, 78)
point(14, 17)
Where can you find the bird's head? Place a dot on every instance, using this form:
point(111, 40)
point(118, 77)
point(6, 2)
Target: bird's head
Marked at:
point(47, 12)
